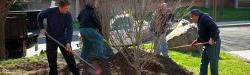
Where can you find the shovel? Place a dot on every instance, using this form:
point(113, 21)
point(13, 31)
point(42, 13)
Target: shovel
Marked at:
point(90, 65)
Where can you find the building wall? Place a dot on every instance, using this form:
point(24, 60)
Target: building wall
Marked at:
point(199, 3)
point(229, 3)
point(244, 3)
point(222, 3)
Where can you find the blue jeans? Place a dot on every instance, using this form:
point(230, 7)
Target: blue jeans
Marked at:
point(210, 55)
point(92, 44)
point(160, 44)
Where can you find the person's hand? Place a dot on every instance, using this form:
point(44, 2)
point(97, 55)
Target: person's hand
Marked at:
point(211, 41)
point(69, 49)
point(194, 43)
point(43, 31)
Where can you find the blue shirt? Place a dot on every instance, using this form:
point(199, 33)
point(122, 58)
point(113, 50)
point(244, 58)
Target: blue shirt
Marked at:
point(59, 25)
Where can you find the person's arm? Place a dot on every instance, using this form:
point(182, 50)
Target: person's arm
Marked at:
point(41, 16)
point(153, 22)
point(213, 28)
point(40, 19)
point(69, 28)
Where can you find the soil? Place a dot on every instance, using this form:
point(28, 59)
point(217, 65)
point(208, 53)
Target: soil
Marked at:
point(117, 66)
point(158, 66)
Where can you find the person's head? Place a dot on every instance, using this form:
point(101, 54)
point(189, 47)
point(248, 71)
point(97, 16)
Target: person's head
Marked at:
point(92, 3)
point(164, 8)
point(64, 6)
point(195, 13)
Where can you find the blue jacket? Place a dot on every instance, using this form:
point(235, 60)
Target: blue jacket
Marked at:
point(59, 25)
point(207, 29)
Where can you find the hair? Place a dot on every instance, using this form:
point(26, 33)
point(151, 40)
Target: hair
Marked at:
point(196, 12)
point(63, 3)
point(90, 3)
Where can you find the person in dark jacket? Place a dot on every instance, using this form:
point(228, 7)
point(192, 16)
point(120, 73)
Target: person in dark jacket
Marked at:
point(59, 26)
point(90, 29)
point(208, 31)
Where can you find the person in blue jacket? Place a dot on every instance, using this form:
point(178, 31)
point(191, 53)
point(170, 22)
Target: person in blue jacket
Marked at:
point(59, 26)
point(208, 31)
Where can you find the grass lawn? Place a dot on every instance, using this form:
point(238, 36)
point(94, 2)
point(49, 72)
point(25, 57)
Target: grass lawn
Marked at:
point(76, 25)
point(14, 62)
point(229, 14)
point(228, 64)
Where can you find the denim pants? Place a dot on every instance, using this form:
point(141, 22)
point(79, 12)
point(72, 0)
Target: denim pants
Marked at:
point(160, 44)
point(92, 44)
point(210, 55)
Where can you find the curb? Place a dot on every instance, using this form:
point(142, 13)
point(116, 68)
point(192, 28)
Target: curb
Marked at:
point(234, 25)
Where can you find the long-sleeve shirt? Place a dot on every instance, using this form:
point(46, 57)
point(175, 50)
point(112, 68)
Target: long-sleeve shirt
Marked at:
point(207, 29)
point(89, 19)
point(59, 25)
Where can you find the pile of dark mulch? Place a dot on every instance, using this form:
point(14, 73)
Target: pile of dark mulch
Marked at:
point(158, 66)
point(117, 66)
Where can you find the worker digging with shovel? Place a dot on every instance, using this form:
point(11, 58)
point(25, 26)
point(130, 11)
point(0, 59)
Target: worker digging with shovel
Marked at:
point(208, 31)
point(59, 26)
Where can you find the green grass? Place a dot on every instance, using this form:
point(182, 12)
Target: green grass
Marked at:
point(13, 62)
point(76, 25)
point(228, 64)
point(229, 14)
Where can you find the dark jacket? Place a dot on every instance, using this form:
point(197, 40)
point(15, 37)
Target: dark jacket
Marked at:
point(207, 29)
point(89, 19)
point(59, 26)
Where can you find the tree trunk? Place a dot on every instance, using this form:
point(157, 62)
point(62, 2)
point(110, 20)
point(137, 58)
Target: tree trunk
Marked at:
point(4, 7)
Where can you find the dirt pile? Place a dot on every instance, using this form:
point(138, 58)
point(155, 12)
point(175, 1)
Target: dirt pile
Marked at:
point(158, 66)
point(117, 66)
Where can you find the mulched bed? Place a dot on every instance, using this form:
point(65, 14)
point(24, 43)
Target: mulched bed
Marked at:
point(117, 66)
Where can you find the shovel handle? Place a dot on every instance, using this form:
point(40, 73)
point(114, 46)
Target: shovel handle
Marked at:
point(73, 51)
point(187, 45)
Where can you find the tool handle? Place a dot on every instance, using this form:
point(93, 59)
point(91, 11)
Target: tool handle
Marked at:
point(186, 46)
point(73, 51)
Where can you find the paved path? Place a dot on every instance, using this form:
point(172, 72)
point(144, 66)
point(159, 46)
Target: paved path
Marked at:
point(243, 54)
point(235, 38)
point(233, 23)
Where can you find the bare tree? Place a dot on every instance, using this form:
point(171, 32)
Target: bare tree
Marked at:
point(138, 11)
point(4, 7)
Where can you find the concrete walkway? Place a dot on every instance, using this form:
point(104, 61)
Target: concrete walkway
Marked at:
point(245, 54)
point(235, 38)
point(233, 23)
